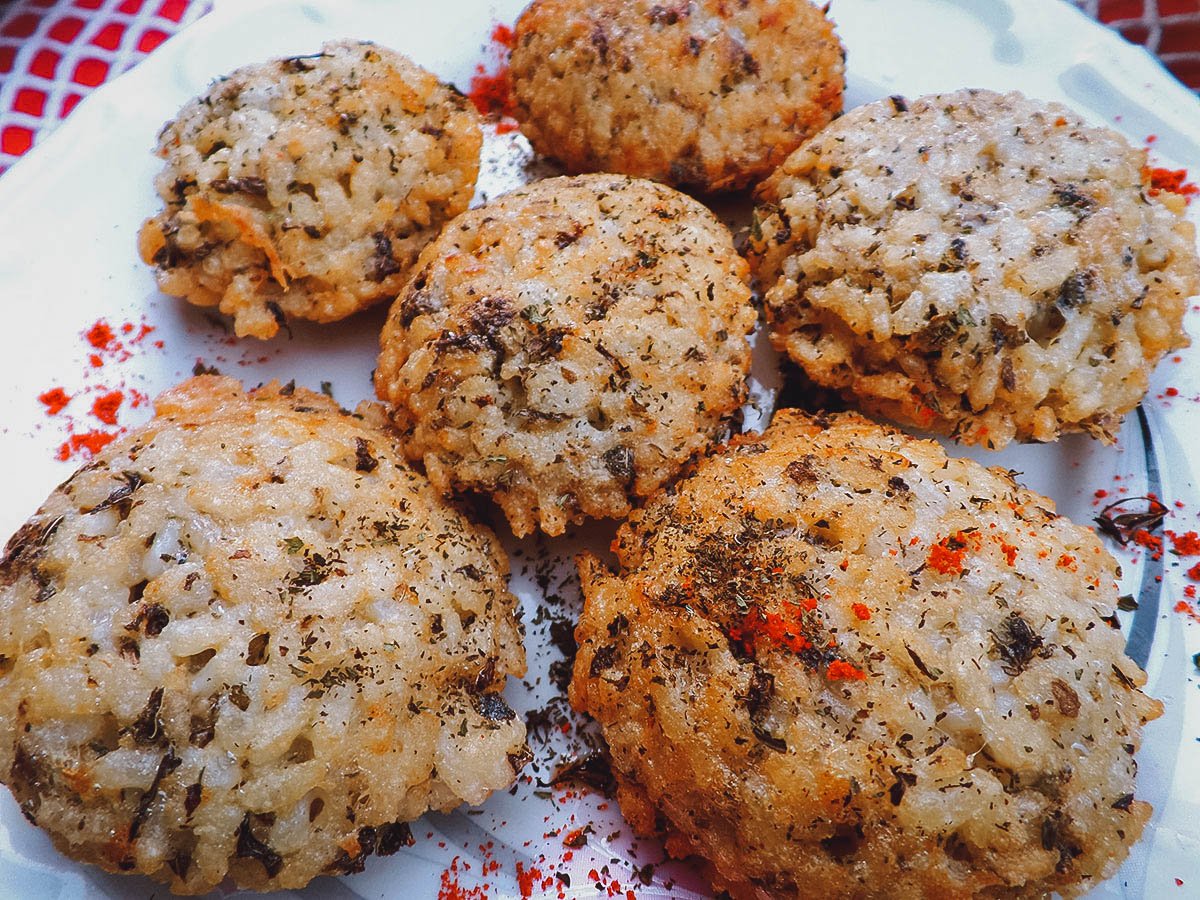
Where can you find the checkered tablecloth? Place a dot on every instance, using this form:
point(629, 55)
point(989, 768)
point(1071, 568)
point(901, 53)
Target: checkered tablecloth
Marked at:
point(1168, 28)
point(53, 52)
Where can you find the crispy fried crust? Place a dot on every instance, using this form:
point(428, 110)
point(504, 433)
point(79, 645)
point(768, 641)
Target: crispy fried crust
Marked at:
point(248, 641)
point(306, 187)
point(706, 95)
point(836, 662)
point(567, 347)
point(977, 264)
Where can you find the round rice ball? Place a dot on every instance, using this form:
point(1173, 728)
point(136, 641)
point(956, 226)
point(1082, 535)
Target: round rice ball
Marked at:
point(706, 95)
point(836, 661)
point(567, 347)
point(248, 641)
point(304, 188)
point(976, 264)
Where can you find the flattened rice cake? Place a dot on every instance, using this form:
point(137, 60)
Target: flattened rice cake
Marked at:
point(567, 347)
point(707, 95)
point(976, 264)
point(837, 663)
point(248, 641)
point(305, 187)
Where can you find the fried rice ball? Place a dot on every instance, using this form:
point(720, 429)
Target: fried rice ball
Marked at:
point(567, 347)
point(304, 188)
point(976, 264)
point(248, 641)
point(705, 95)
point(835, 662)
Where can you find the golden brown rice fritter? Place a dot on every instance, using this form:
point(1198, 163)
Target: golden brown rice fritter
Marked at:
point(836, 663)
point(977, 264)
point(248, 641)
point(706, 95)
point(304, 188)
point(567, 347)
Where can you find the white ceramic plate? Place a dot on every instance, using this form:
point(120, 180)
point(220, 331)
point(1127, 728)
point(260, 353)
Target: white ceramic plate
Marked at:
point(69, 214)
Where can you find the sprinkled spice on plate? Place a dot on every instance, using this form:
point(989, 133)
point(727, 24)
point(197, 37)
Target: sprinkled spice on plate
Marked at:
point(1186, 544)
point(88, 442)
point(491, 90)
point(105, 344)
point(55, 400)
point(105, 407)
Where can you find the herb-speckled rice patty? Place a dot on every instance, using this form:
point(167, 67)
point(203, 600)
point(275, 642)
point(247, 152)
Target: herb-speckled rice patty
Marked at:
point(707, 95)
point(836, 663)
point(567, 347)
point(248, 640)
point(977, 264)
point(305, 187)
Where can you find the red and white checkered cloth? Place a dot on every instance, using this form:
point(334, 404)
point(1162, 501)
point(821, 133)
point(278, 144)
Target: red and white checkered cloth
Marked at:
point(53, 52)
point(1168, 28)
